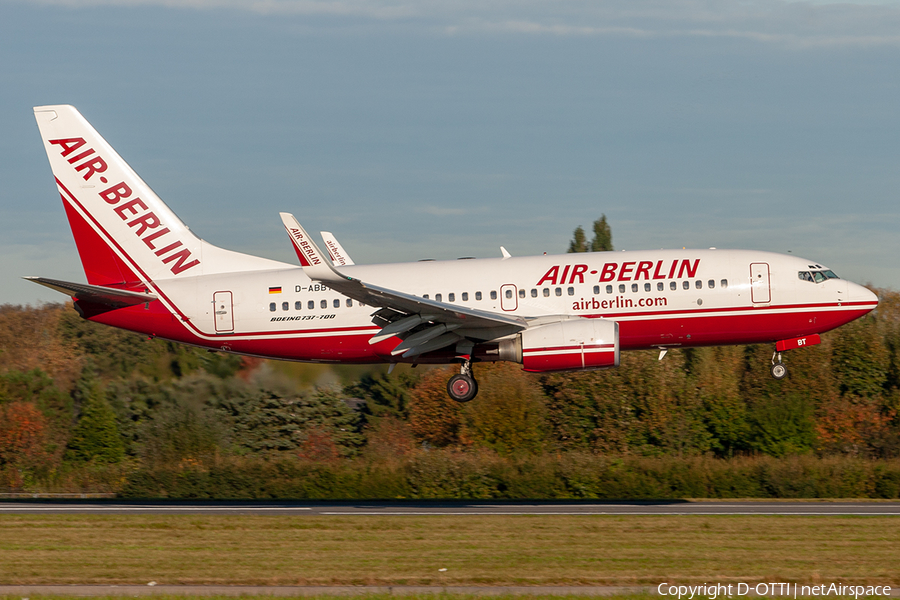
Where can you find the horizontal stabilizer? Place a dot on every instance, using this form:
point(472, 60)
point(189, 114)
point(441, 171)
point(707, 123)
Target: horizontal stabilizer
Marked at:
point(95, 293)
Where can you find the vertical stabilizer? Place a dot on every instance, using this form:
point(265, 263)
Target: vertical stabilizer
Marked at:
point(125, 234)
point(117, 220)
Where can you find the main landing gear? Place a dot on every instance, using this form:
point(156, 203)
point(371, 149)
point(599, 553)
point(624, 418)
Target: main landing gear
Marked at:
point(779, 371)
point(463, 387)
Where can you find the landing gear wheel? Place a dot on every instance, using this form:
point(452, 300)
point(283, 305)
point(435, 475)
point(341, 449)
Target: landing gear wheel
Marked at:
point(779, 371)
point(462, 388)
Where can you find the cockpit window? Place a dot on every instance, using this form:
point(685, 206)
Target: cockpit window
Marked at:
point(816, 276)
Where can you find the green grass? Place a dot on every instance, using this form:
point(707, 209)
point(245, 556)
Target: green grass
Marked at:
point(474, 550)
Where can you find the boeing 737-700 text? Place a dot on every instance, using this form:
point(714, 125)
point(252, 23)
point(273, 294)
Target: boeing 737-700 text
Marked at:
point(148, 273)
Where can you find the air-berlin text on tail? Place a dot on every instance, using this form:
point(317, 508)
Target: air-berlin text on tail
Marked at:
point(626, 271)
point(143, 221)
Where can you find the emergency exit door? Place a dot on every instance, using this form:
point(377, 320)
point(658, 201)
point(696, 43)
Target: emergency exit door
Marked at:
point(222, 307)
point(759, 282)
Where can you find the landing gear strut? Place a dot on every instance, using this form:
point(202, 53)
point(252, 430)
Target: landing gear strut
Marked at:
point(779, 371)
point(463, 387)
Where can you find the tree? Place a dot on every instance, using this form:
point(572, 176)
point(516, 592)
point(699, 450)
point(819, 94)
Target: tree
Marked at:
point(602, 241)
point(96, 436)
point(22, 428)
point(264, 421)
point(433, 417)
point(579, 242)
point(509, 415)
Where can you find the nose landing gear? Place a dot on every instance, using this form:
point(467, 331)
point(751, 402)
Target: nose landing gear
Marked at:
point(779, 371)
point(463, 387)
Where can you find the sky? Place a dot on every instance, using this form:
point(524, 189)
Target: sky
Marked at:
point(434, 129)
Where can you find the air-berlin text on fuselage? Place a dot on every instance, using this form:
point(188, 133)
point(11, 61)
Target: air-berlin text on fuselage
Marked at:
point(632, 270)
point(143, 221)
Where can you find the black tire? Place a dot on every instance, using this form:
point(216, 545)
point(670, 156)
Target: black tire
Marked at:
point(779, 371)
point(462, 388)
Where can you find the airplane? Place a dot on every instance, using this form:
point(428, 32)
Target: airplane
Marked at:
point(148, 273)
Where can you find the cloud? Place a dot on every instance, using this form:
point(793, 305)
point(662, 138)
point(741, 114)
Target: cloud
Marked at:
point(798, 24)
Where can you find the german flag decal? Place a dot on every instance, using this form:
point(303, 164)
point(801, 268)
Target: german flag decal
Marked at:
point(275, 290)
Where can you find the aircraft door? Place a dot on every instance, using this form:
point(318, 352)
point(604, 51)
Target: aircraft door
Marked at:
point(508, 298)
point(223, 308)
point(759, 283)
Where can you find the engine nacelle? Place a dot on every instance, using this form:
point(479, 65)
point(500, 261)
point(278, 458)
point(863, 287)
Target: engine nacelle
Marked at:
point(572, 345)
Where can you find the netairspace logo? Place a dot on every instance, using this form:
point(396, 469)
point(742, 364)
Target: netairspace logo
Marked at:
point(795, 590)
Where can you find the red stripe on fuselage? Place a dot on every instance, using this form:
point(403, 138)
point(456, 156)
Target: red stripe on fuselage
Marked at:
point(637, 330)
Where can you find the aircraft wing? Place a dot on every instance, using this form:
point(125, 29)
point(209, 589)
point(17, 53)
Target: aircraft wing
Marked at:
point(94, 293)
point(423, 324)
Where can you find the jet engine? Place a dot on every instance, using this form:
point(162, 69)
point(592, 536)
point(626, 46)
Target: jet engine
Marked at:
point(572, 345)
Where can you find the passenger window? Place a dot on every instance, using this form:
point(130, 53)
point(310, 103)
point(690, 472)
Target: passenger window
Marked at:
point(521, 293)
point(546, 292)
point(465, 296)
point(438, 297)
point(324, 303)
point(596, 289)
point(646, 287)
point(724, 283)
point(478, 295)
point(634, 287)
point(337, 303)
point(673, 285)
point(451, 297)
point(509, 294)
point(571, 291)
point(686, 284)
point(711, 283)
point(621, 288)
point(534, 292)
point(558, 291)
point(311, 304)
point(425, 296)
point(272, 306)
point(285, 306)
point(493, 294)
point(349, 303)
point(609, 289)
point(698, 284)
point(660, 286)
point(298, 305)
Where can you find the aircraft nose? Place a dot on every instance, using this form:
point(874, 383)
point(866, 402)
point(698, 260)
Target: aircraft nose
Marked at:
point(862, 295)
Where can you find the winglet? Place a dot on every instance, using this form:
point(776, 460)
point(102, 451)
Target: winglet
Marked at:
point(337, 253)
point(505, 253)
point(311, 258)
point(305, 248)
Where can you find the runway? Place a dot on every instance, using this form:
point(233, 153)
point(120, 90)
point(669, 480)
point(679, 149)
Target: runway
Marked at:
point(400, 508)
